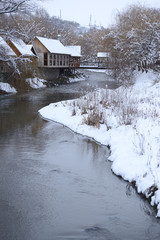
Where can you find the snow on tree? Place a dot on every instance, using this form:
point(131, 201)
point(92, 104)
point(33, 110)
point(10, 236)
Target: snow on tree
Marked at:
point(136, 40)
point(8, 29)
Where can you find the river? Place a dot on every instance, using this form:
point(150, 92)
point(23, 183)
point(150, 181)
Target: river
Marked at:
point(55, 184)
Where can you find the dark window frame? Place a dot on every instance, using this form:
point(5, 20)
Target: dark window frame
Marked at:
point(45, 59)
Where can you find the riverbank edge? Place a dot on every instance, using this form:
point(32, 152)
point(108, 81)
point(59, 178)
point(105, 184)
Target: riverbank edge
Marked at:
point(18, 85)
point(131, 167)
point(133, 183)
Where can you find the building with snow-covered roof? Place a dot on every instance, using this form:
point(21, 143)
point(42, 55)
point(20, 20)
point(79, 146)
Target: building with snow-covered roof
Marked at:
point(4, 47)
point(75, 55)
point(101, 54)
point(20, 48)
point(52, 53)
point(103, 58)
point(74, 51)
point(24, 51)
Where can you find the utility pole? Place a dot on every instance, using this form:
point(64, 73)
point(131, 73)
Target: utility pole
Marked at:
point(90, 20)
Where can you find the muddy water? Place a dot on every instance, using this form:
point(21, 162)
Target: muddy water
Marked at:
point(55, 184)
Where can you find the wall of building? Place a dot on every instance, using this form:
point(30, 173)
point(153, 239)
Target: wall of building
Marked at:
point(74, 62)
point(49, 74)
point(38, 47)
point(14, 48)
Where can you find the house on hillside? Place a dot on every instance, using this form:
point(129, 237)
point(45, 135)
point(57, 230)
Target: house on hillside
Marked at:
point(5, 57)
point(54, 57)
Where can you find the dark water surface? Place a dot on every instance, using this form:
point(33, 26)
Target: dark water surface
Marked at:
point(55, 184)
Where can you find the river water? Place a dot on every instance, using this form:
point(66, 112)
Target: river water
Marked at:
point(55, 184)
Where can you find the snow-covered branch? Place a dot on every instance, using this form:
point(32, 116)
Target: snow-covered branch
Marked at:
point(10, 6)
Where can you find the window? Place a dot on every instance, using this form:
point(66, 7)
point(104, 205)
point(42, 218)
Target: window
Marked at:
point(61, 60)
point(64, 58)
point(67, 60)
point(71, 61)
point(54, 60)
point(50, 59)
point(57, 60)
point(45, 59)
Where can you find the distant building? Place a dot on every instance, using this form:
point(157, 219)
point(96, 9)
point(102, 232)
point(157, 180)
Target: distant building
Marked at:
point(101, 55)
point(103, 58)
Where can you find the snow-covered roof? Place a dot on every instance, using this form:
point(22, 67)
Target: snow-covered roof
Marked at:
point(8, 50)
point(75, 51)
point(53, 45)
point(102, 54)
point(23, 48)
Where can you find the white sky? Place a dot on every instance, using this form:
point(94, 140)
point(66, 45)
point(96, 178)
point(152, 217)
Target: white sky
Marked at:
point(102, 12)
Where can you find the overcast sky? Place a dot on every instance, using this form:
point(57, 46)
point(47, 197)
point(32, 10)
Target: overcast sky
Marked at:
point(99, 12)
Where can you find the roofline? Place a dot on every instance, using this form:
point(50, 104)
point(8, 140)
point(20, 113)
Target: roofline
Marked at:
point(68, 54)
point(10, 41)
point(20, 53)
point(47, 48)
point(7, 48)
point(42, 43)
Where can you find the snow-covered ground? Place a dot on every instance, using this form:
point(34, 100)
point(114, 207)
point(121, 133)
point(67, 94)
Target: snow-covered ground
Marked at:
point(72, 80)
point(36, 82)
point(127, 120)
point(96, 70)
point(6, 87)
point(79, 77)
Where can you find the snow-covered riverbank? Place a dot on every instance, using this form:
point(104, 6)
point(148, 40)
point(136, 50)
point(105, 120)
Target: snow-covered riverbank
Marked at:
point(126, 119)
point(34, 83)
point(6, 87)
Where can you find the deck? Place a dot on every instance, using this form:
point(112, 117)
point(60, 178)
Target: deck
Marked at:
point(94, 65)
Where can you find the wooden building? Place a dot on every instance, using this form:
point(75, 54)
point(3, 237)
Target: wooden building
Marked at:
point(75, 56)
point(22, 50)
point(101, 56)
point(52, 53)
point(25, 52)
